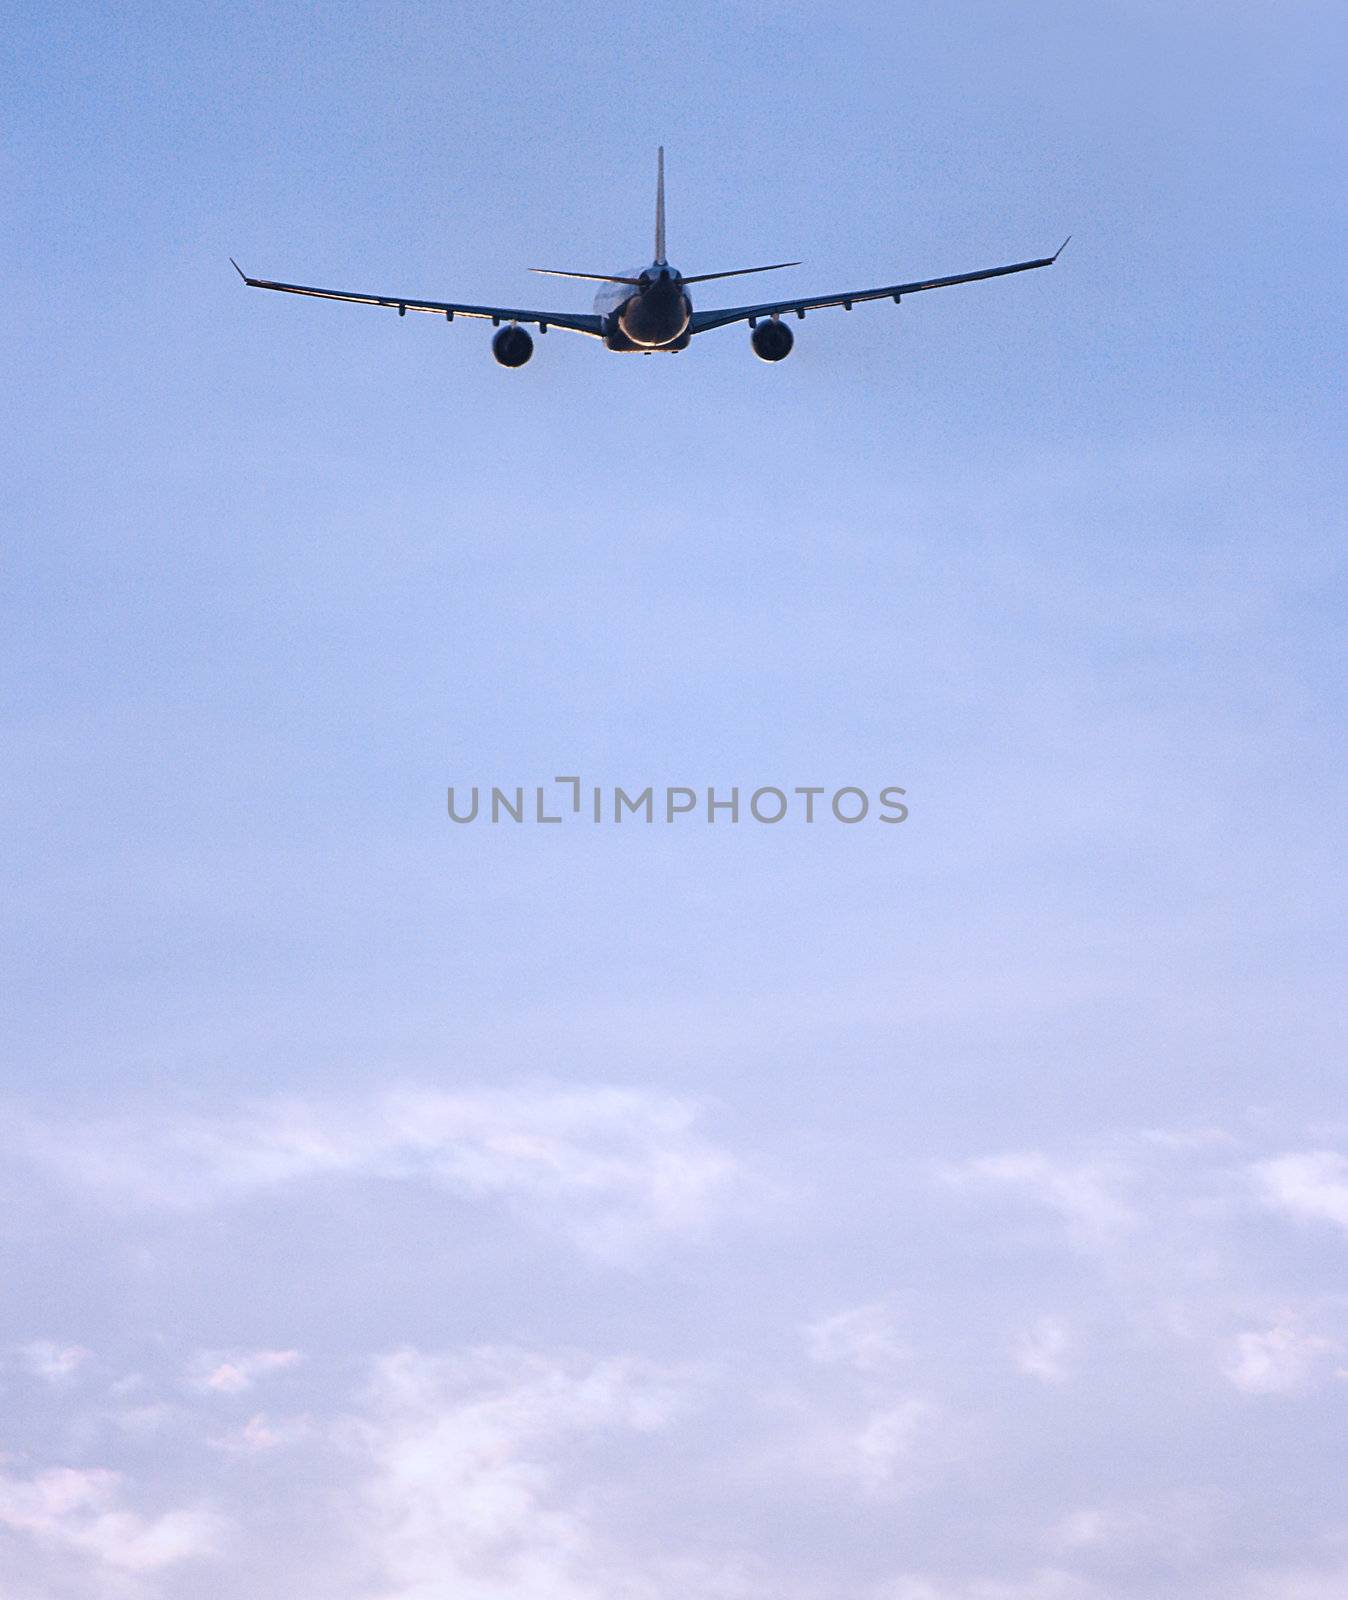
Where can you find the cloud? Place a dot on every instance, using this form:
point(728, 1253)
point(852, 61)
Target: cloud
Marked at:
point(146, 1419)
point(1311, 1185)
point(483, 1473)
point(1057, 1583)
point(55, 1363)
point(1092, 1527)
point(233, 1372)
point(863, 1338)
point(1047, 1584)
point(262, 1432)
point(469, 1490)
point(1276, 1360)
point(612, 1166)
point(79, 1511)
point(502, 1474)
point(1083, 1195)
point(1301, 1583)
point(853, 1417)
point(1176, 1528)
point(1041, 1350)
point(1178, 1262)
point(892, 1444)
point(882, 1450)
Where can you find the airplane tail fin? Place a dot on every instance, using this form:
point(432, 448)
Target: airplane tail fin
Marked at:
point(660, 207)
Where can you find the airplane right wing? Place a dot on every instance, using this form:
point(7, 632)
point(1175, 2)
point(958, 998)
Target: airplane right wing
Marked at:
point(704, 320)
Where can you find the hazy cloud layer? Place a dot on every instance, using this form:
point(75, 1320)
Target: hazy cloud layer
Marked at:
point(491, 1470)
point(611, 1167)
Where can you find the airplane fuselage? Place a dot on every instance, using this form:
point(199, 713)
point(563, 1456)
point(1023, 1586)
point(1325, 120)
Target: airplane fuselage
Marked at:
point(654, 316)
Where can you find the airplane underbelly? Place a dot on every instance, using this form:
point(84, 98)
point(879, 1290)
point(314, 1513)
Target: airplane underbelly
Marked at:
point(616, 339)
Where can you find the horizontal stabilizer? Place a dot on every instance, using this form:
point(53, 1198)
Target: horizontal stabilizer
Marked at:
point(739, 272)
point(591, 277)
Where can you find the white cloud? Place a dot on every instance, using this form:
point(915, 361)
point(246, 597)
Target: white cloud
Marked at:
point(1184, 1140)
point(612, 1165)
point(1090, 1528)
point(1083, 1195)
point(79, 1511)
point(234, 1372)
point(863, 1338)
point(469, 1493)
point(499, 1475)
point(261, 1433)
point(1300, 1583)
point(1276, 1360)
point(1042, 1350)
point(1047, 1584)
point(56, 1363)
point(880, 1451)
point(892, 1444)
point(143, 1420)
point(1311, 1185)
point(870, 1430)
point(1182, 1526)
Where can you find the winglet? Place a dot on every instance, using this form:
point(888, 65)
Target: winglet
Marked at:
point(1061, 248)
point(233, 263)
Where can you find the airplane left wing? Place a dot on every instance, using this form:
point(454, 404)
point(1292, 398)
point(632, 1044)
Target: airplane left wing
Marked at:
point(577, 322)
point(703, 320)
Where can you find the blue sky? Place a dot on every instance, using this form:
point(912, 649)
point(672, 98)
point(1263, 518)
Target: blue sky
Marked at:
point(397, 1211)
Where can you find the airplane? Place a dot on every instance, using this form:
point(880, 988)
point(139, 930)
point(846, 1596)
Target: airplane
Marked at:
point(648, 309)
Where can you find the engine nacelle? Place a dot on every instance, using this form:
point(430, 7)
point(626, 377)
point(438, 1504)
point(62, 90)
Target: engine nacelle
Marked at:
point(772, 341)
point(512, 346)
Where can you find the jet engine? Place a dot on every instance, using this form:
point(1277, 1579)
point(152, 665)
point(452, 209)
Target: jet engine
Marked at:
point(772, 341)
point(512, 346)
